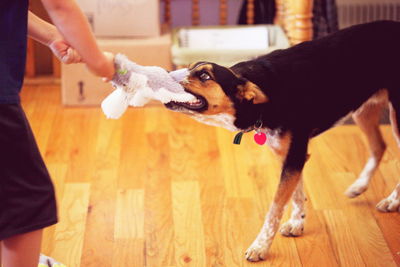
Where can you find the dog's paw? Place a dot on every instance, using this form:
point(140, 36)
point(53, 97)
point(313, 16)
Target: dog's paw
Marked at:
point(292, 228)
point(256, 252)
point(389, 204)
point(355, 190)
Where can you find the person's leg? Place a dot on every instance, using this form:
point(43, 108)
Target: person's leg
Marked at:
point(27, 200)
point(22, 250)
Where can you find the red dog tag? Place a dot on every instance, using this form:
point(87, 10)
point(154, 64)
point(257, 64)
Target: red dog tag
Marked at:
point(260, 138)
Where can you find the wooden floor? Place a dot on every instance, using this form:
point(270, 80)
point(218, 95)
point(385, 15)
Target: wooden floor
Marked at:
point(156, 188)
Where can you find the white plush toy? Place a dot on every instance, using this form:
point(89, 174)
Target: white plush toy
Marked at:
point(136, 85)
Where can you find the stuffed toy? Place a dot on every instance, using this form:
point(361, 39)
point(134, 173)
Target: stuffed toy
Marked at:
point(136, 85)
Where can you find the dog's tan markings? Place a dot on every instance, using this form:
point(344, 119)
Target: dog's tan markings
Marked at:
point(194, 65)
point(250, 91)
point(218, 101)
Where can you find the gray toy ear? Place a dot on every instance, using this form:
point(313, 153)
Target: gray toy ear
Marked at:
point(179, 75)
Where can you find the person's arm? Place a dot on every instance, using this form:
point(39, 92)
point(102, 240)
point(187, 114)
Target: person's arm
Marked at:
point(74, 27)
point(48, 35)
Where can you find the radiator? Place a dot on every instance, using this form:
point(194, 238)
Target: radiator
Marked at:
point(352, 12)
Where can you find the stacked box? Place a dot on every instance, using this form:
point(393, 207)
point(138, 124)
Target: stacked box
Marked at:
point(123, 18)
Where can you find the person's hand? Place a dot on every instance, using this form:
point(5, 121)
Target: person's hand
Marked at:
point(64, 52)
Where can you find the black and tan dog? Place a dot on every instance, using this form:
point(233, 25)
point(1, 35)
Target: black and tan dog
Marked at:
point(295, 94)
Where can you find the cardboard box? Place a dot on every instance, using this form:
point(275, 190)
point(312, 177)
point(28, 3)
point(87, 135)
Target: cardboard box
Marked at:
point(123, 18)
point(81, 88)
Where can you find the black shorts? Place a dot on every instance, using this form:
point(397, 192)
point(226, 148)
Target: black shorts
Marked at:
point(27, 200)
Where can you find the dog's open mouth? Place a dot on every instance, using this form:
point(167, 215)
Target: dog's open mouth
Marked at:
point(196, 105)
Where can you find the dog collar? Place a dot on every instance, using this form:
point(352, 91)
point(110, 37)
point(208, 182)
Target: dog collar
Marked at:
point(260, 137)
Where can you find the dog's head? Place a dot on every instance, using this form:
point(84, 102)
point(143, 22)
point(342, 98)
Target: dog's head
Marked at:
point(219, 94)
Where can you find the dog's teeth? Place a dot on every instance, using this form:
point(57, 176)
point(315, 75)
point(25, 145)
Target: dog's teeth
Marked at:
point(194, 102)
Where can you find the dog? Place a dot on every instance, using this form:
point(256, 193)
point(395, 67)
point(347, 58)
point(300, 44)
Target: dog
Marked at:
point(295, 94)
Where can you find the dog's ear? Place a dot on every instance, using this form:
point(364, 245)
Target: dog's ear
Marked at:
point(251, 92)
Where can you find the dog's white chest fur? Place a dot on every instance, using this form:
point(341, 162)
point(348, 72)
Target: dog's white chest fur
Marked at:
point(273, 139)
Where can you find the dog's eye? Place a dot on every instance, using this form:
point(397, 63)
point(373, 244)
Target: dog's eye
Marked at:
point(205, 77)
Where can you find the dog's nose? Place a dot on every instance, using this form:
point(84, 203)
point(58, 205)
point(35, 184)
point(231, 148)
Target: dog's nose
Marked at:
point(179, 75)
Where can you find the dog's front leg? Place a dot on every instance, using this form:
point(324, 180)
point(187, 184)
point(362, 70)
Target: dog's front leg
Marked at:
point(290, 177)
point(259, 248)
point(295, 225)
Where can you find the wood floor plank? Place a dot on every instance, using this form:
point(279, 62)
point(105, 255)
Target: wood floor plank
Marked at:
point(60, 143)
point(83, 144)
point(188, 227)
point(100, 220)
point(366, 232)
point(134, 152)
point(233, 169)
point(159, 225)
point(390, 227)
point(315, 246)
point(212, 208)
point(236, 235)
point(161, 120)
point(213, 196)
point(58, 174)
point(340, 233)
point(128, 252)
point(129, 229)
point(99, 234)
point(364, 227)
point(129, 217)
point(389, 223)
point(186, 139)
point(69, 232)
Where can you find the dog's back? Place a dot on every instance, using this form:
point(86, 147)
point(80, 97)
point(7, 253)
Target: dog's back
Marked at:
point(324, 80)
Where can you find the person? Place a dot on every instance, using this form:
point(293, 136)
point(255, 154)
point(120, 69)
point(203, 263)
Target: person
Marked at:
point(27, 201)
